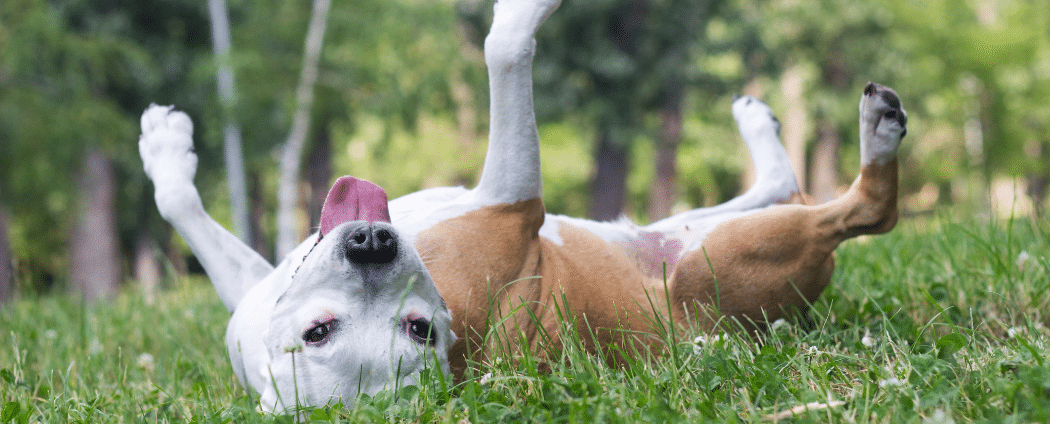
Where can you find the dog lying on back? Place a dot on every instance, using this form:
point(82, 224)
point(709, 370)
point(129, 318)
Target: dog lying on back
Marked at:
point(383, 289)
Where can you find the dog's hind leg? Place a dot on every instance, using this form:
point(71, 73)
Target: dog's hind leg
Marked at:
point(166, 148)
point(775, 180)
point(512, 165)
point(759, 266)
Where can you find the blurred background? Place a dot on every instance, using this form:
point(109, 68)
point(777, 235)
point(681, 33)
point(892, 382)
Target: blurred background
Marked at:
point(633, 99)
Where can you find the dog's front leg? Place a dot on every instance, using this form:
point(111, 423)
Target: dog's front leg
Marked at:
point(166, 148)
point(512, 164)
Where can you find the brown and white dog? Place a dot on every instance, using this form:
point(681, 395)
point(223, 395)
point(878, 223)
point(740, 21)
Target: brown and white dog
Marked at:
point(383, 289)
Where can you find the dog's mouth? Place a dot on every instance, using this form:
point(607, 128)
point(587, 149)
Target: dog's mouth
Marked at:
point(353, 199)
point(350, 199)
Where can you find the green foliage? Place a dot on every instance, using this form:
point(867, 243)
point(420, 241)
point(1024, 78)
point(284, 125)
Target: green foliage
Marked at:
point(887, 342)
point(402, 84)
point(75, 75)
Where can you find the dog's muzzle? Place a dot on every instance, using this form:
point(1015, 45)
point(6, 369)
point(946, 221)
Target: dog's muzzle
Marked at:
point(367, 243)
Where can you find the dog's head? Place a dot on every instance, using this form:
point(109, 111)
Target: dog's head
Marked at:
point(361, 314)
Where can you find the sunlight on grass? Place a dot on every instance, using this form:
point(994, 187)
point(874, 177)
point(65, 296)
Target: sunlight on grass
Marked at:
point(937, 321)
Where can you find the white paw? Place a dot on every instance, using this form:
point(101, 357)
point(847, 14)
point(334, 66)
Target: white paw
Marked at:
point(166, 145)
point(522, 15)
point(883, 123)
point(754, 118)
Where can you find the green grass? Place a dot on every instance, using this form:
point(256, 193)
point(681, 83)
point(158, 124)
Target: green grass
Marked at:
point(934, 322)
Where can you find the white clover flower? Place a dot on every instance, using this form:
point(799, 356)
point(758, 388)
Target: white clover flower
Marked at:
point(702, 340)
point(1023, 259)
point(938, 417)
point(1013, 332)
point(867, 340)
point(145, 361)
point(50, 334)
point(95, 347)
point(891, 382)
point(814, 351)
point(485, 378)
point(779, 324)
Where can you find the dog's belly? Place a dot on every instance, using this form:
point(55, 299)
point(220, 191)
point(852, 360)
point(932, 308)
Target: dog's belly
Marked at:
point(495, 262)
point(654, 250)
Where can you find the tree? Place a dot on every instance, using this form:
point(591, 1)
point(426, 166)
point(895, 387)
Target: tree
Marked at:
point(8, 286)
point(94, 264)
point(235, 176)
point(292, 152)
point(72, 86)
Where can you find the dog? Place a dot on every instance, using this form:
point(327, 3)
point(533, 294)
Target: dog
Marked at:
point(386, 289)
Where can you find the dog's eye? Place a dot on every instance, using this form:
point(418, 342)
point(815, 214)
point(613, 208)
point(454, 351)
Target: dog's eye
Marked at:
point(317, 333)
point(891, 114)
point(420, 331)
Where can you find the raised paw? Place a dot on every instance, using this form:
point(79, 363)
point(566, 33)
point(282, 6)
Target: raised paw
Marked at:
point(166, 145)
point(883, 123)
point(521, 16)
point(755, 120)
point(774, 178)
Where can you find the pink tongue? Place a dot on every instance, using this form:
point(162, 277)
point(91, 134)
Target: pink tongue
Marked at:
point(351, 199)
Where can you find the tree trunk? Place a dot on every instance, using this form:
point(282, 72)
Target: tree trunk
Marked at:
point(258, 212)
point(466, 123)
point(663, 191)
point(220, 38)
point(609, 187)
point(174, 264)
point(824, 164)
point(796, 122)
point(147, 267)
point(1040, 179)
point(319, 173)
point(94, 256)
point(7, 282)
point(293, 149)
point(824, 170)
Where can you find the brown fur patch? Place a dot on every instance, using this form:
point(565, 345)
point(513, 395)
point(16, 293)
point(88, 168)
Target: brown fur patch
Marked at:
point(496, 273)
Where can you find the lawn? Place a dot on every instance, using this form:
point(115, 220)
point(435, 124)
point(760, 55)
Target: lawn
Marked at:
point(939, 321)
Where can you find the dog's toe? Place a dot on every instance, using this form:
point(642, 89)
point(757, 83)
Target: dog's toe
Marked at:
point(160, 117)
point(153, 118)
point(180, 121)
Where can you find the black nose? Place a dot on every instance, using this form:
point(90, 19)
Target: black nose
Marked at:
point(368, 244)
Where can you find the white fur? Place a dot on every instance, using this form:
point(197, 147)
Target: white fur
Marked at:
point(880, 136)
point(272, 307)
